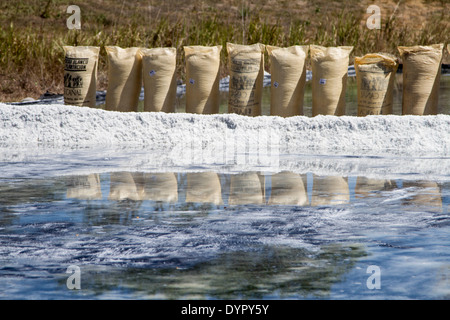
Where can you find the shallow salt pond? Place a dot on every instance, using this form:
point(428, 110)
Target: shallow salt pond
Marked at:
point(365, 218)
point(308, 233)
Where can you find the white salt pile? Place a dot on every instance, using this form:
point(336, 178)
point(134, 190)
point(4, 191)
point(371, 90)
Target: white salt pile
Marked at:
point(69, 126)
point(47, 140)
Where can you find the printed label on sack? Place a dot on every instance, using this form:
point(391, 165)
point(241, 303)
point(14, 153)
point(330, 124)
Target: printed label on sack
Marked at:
point(323, 81)
point(152, 73)
point(276, 84)
point(76, 64)
point(191, 81)
point(374, 83)
point(244, 94)
point(246, 65)
point(374, 96)
point(74, 80)
point(71, 81)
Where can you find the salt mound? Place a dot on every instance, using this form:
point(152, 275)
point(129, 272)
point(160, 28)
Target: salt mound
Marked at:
point(34, 126)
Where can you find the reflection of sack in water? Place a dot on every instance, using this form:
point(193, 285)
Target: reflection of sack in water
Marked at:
point(124, 79)
point(421, 76)
point(159, 75)
point(330, 190)
point(246, 78)
point(202, 74)
point(428, 194)
point(159, 186)
point(123, 187)
point(375, 77)
point(204, 187)
point(288, 189)
point(288, 77)
point(85, 187)
point(365, 187)
point(80, 75)
point(245, 188)
point(329, 79)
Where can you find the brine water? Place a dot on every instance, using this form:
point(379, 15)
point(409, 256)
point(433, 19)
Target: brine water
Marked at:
point(159, 206)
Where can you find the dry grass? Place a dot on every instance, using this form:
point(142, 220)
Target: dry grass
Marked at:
point(33, 32)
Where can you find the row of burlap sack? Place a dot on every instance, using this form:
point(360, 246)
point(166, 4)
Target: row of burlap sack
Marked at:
point(156, 68)
point(375, 74)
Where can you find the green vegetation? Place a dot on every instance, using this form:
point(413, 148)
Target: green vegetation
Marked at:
point(33, 32)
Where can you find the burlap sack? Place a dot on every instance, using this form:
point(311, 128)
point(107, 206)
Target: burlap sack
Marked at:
point(124, 79)
point(288, 189)
point(159, 75)
point(329, 79)
point(204, 187)
point(246, 64)
point(288, 77)
point(80, 75)
point(375, 79)
point(245, 188)
point(85, 187)
point(202, 79)
point(421, 76)
point(329, 190)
